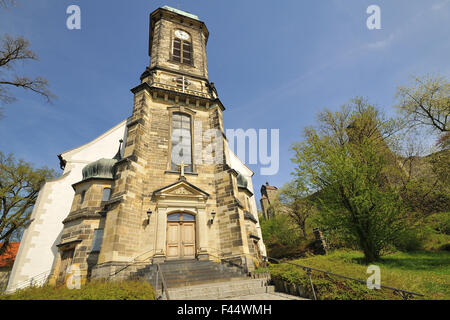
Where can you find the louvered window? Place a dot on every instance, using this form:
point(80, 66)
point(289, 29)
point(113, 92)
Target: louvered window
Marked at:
point(182, 51)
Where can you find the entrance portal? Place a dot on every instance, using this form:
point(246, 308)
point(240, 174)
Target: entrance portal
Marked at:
point(180, 236)
point(66, 261)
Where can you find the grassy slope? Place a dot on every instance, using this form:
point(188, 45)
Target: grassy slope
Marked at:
point(423, 272)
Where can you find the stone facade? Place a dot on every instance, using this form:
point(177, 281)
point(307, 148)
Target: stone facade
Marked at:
point(145, 188)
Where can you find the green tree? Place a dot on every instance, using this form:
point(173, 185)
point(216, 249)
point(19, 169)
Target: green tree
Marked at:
point(425, 182)
point(19, 187)
point(293, 202)
point(347, 163)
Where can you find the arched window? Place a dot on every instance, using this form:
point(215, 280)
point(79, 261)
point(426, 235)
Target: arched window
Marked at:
point(182, 48)
point(180, 217)
point(181, 142)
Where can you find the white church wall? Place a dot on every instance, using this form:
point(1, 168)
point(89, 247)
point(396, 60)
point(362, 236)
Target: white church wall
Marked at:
point(239, 166)
point(38, 246)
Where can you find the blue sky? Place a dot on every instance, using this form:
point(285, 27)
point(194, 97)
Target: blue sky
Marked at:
point(275, 64)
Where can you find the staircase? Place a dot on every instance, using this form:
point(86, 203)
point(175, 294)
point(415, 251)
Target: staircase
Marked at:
point(181, 273)
point(207, 280)
point(197, 280)
point(222, 290)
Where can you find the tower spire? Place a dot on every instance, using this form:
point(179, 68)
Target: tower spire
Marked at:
point(118, 155)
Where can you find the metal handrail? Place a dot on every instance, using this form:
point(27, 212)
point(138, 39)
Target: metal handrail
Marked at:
point(405, 294)
point(223, 254)
point(164, 287)
point(31, 281)
point(224, 258)
point(265, 281)
point(132, 262)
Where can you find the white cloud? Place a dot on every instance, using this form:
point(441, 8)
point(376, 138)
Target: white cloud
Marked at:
point(439, 5)
point(382, 43)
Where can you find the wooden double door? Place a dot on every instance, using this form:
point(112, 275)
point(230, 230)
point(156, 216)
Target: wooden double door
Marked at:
point(180, 236)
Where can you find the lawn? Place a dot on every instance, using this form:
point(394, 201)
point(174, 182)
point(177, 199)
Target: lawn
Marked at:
point(426, 272)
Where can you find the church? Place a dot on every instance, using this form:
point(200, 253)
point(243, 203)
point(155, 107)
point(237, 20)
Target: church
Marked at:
point(160, 186)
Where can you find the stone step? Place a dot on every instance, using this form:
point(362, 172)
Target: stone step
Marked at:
point(181, 283)
point(189, 273)
point(199, 270)
point(192, 275)
point(220, 290)
point(212, 275)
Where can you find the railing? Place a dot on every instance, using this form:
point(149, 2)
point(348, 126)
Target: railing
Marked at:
point(132, 262)
point(37, 281)
point(403, 293)
point(164, 287)
point(265, 278)
point(222, 256)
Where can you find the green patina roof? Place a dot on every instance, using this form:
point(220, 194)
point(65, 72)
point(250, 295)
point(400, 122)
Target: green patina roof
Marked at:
point(183, 13)
point(102, 169)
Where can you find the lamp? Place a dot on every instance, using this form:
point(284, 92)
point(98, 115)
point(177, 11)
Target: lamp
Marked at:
point(213, 215)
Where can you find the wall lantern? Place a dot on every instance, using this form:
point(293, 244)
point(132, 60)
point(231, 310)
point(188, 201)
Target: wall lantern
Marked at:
point(149, 214)
point(213, 215)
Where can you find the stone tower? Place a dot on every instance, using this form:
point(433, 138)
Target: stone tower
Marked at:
point(174, 190)
point(268, 195)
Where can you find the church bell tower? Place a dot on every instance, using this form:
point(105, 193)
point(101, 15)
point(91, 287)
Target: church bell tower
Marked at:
point(174, 190)
point(177, 48)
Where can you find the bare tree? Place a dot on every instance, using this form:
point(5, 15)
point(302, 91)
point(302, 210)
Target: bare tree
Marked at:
point(427, 103)
point(13, 50)
point(7, 3)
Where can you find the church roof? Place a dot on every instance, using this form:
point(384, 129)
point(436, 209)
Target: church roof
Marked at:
point(181, 12)
point(102, 168)
point(241, 180)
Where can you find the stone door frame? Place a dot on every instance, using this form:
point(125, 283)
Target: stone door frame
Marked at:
point(201, 232)
point(180, 196)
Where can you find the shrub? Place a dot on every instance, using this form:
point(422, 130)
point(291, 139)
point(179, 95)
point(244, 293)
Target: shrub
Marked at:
point(282, 238)
point(411, 240)
point(94, 290)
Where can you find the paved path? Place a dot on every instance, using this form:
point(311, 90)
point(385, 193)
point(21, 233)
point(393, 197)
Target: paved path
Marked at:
point(267, 296)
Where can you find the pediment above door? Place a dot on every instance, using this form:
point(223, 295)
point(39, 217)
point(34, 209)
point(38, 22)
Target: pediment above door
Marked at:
point(181, 188)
